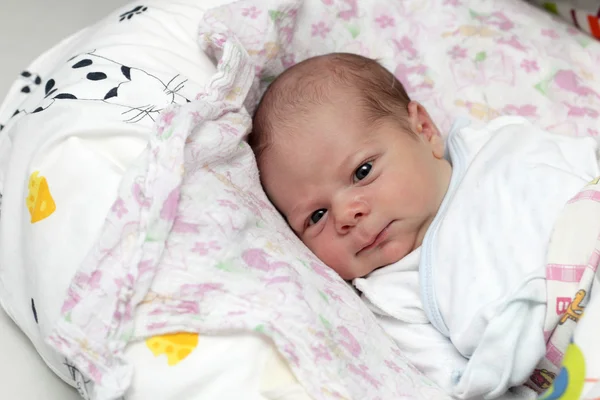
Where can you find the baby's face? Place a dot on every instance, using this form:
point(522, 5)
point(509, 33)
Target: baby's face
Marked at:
point(360, 197)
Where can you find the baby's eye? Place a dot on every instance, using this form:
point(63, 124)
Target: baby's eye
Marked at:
point(316, 216)
point(362, 171)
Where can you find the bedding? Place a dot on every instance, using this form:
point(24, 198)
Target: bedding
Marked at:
point(193, 243)
point(571, 368)
point(213, 262)
point(71, 124)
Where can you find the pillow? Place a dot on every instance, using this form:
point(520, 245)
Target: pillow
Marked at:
point(196, 367)
point(72, 123)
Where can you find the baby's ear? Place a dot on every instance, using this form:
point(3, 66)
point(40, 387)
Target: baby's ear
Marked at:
point(421, 123)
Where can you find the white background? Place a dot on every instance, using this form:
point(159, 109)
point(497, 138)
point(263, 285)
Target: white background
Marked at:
point(28, 28)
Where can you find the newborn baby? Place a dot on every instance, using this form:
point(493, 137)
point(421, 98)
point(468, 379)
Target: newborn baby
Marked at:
point(340, 146)
point(447, 246)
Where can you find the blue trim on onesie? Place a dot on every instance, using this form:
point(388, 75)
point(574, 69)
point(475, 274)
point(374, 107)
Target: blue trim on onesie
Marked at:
point(455, 153)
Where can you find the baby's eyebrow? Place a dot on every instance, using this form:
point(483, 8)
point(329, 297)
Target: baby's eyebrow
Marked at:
point(352, 159)
point(349, 160)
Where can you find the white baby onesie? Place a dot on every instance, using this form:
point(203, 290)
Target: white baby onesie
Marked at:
point(392, 293)
point(399, 311)
point(482, 267)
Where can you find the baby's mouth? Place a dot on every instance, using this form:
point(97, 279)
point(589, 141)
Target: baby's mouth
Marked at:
point(380, 237)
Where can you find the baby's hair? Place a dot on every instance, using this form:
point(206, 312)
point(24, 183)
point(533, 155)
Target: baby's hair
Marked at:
point(309, 83)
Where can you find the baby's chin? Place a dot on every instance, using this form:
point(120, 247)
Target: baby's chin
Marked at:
point(363, 271)
point(386, 254)
point(390, 253)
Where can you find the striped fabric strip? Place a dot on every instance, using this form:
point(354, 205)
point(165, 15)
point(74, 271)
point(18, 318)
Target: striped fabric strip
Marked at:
point(590, 194)
point(570, 272)
point(554, 355)
point(564, 272)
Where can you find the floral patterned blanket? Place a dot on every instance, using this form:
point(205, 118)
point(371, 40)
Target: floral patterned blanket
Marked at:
point(192, 244)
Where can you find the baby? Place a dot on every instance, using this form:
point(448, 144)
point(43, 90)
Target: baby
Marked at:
point(447, 245)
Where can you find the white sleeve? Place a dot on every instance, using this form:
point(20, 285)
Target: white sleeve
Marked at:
point(435, 356)
point(427, 349)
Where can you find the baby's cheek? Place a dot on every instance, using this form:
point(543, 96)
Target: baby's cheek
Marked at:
point(332, 254)
point(394, 251)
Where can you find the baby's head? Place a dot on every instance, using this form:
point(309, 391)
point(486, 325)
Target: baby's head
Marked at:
point(356, 168)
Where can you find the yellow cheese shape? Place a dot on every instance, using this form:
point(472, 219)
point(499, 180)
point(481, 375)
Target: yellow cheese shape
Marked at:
point(39, 200)
point(176, 346)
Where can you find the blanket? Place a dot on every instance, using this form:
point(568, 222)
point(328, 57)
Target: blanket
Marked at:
point(191, 244)
point(571, 364)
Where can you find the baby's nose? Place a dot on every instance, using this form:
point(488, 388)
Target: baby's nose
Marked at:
point(349, 215)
